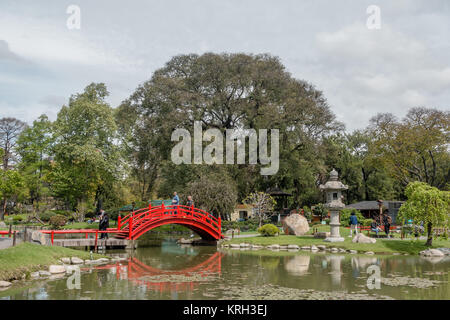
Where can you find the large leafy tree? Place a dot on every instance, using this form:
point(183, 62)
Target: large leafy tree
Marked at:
point(366, 176)
point(415, 148)
point(10, 129)
point(86, 156)
point(34, 147)
point(426, 204)
point(229, 91)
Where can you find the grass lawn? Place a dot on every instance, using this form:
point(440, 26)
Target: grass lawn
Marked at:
point(27, 257)
point(81, 225)
point(381, 246)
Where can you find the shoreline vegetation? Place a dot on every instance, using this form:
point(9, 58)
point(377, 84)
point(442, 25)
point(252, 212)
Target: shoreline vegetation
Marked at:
point(17, 263)
point(382, 246)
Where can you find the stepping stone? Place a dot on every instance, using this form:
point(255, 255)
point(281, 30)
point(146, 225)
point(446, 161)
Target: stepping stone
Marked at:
point(54, 269)
point(293, 247)
point(5, 284)
point(370, 252)
point(76, 260)
point(44, 273)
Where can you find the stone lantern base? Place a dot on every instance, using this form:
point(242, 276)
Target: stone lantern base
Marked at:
point(331, 239)
point(334, 226)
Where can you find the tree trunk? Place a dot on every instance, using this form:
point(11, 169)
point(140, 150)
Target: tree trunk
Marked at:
point(2, 214)
point(430, 235)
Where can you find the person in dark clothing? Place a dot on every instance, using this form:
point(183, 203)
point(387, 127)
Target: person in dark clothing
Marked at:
point(387, 223)
point(104, 224)
point(353, 224)
point(374, 226)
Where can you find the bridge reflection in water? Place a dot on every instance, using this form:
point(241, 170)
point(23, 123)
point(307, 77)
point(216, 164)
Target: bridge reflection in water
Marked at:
point(174, 281)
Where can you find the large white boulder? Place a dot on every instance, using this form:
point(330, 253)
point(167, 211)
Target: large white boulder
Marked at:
point(360, 238)
point(5, 284)
point(295, 224)
point(432, 253)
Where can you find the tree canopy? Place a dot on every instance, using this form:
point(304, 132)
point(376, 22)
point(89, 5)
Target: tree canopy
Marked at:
point(426, 204)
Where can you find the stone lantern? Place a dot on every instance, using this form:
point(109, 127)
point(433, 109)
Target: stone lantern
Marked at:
point(333, 192)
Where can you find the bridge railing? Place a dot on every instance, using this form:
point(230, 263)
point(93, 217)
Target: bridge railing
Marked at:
point(162, 211)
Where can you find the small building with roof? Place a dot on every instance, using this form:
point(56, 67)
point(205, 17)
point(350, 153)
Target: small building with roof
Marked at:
point(242, 212)
point(371, 209)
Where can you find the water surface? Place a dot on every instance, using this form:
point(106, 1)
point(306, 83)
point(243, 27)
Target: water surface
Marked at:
point(171, 271)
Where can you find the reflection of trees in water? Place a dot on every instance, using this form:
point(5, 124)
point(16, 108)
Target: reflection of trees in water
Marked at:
point(269, 263)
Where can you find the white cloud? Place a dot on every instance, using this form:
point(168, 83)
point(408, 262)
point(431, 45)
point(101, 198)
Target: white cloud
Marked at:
point(384, 70)
point(361, 72)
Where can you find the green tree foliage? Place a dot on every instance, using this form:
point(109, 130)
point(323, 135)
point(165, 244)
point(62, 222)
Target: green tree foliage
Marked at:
point(34, 148)
point(86, 157)
point(10, 129)
point(345, 216)
point(214, 193)
point(426, 204)
point(11, 185)
point(416, 148)
point(228, 91)
point(367, 178)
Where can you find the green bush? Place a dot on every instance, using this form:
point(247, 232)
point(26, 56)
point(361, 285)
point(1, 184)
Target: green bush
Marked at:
point(345, 216)
point(247, 225)
point(57, 221)
point(268, 230)
point(45, 216)
point(113, 214)
point(366, 222)
point(17, 218)
point(320, 210)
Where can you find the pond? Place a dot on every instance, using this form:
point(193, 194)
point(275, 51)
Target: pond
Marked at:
point(171, 271)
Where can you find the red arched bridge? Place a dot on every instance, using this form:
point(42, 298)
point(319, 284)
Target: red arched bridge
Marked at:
point(135, 224)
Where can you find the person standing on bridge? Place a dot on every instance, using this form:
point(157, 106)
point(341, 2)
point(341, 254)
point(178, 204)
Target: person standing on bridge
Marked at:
point(104, 224)
point(175, 201)
point(189, 202)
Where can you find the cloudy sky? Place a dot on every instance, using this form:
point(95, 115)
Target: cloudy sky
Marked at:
point(361, 71)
